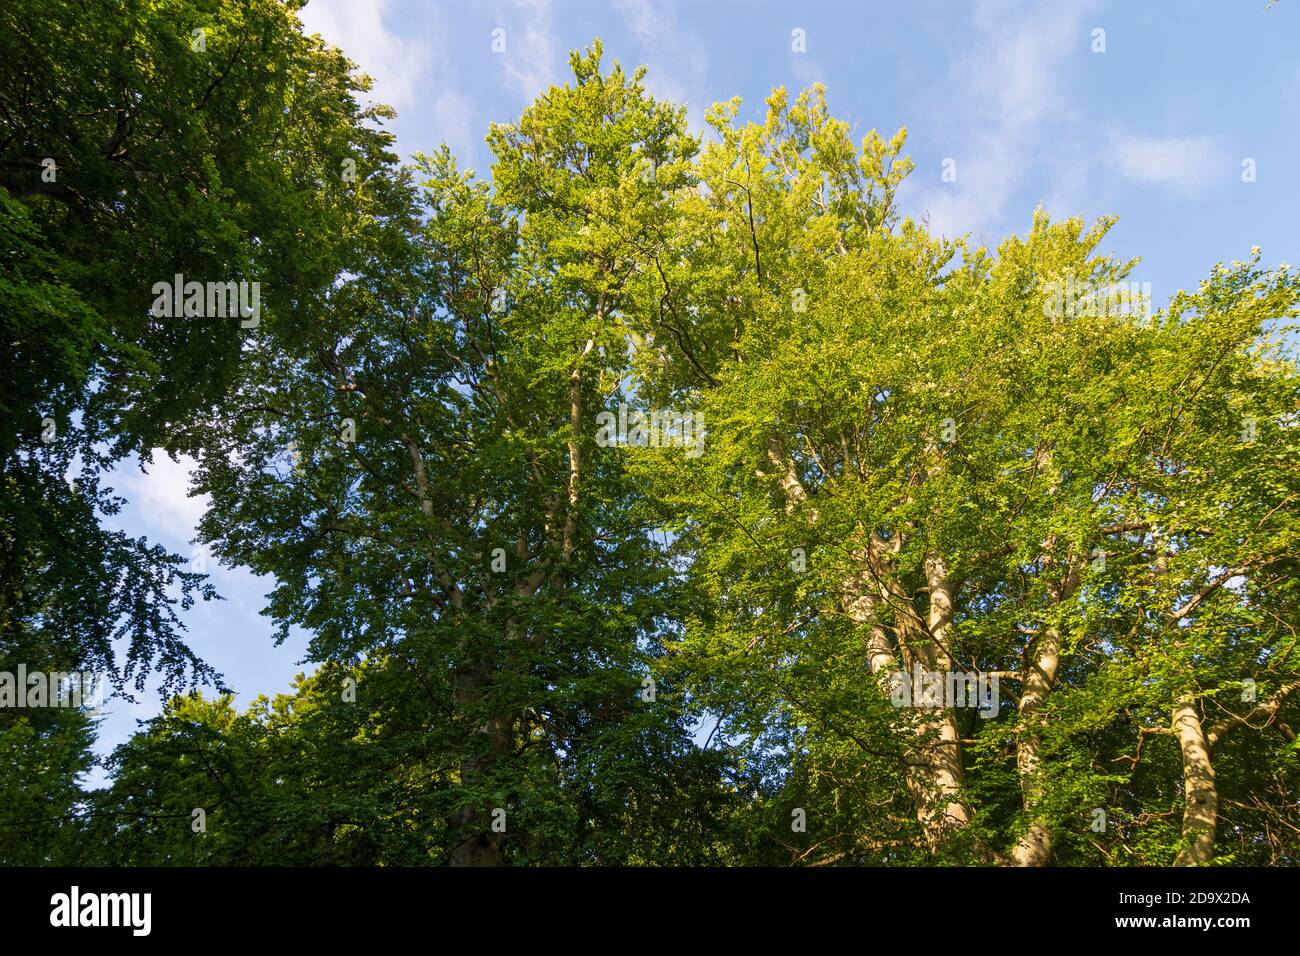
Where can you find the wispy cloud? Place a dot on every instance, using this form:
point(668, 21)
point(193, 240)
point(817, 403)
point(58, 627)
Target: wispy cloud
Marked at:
point(1009, 107)
point(456, 121)
point(805, 66)
point(417, 67)
point(398, 64)
point(678, 61)
point(1185, 163)
point(160, 497)
point(531, 61)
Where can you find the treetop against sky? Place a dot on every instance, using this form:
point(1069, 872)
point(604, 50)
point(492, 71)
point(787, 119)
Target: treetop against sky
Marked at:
point(778, 453)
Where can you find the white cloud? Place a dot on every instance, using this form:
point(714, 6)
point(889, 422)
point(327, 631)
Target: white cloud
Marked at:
point(409, 55)
point(807, 69)
point(1009, 112)
point(678, 61)
point(161, 497)
point(1186, 163)
point(643, 21)
point(396, 63)
point(530, 60)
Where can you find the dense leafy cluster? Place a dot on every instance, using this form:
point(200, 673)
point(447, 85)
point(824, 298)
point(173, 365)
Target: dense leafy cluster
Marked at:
point(535, 648)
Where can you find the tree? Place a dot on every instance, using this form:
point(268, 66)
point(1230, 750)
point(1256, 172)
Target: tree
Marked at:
point(418, 474)
point(926, 456)
point(138, 142)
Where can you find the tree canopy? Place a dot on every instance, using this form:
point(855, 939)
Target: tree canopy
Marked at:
point(848, 453)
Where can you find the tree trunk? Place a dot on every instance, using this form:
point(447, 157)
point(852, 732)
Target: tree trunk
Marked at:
point(942, 809)
point(1200, 793)
point(934, 775)
point(1035, 846)
point(476, 843)
point(936, 783)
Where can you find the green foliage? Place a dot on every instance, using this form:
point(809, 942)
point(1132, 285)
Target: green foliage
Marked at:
point(43, 754)
point(917, 453)
point(130, 153)
point(869, 386)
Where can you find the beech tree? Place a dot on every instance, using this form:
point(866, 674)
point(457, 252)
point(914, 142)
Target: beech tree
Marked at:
point(136, 143)
point(139, 140)
point(922, 458)
point(925, 455)
point(417, 472)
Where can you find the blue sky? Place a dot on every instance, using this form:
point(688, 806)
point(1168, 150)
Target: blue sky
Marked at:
point(1155, 129)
